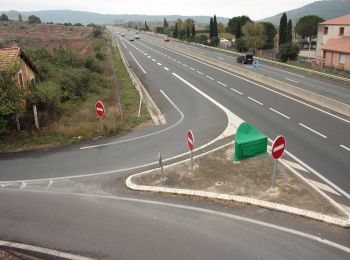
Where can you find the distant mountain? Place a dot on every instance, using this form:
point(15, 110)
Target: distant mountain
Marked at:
point(69, 16)
point(327, 9)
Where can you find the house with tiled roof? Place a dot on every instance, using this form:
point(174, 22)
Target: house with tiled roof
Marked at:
point(333, 42)
point(26, 69)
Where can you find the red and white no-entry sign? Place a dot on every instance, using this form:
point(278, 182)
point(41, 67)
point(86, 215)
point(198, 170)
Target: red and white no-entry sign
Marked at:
point(100, 108)
point(190, 140)
point(278, 147)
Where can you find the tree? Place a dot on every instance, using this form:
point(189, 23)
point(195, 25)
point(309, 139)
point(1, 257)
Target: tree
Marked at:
point(146, 27)
point(288, 51)
point(270, 33)
point(283, 29)
point(175, 32)
point(254, 35)
point(221, 27)
point(211, 28)
point(34, 19)
point(215, 27)
point(235, 25)
point(289, 37)
point(307, 25)
point(4, 17)
point(193, 32)
point(240, 45)
point(188, 32)
point(20, 18)
point(165, 25)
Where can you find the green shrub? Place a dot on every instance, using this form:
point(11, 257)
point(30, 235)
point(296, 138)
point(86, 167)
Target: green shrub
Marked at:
point(288, 51)
point(48, 96)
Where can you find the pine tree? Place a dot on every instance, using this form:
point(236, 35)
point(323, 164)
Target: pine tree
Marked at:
point(188, 32)
point(165, 23)
point(289, 36)
point(146, 27)
point(211, 28)
point(20, 18)
point(283, 29)
point(215, 27)
point(193, 33)
point(175, 32)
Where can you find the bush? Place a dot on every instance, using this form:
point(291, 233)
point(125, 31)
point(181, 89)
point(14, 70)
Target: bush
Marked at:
point(48, 96)
point(34, 19)
point(214, 41)
point(288, 51)
point(97, 31)
point(241, 45)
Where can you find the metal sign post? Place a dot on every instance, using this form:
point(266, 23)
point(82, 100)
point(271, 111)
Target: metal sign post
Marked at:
point(277, 149)
point(274, 174)
point(161, 164)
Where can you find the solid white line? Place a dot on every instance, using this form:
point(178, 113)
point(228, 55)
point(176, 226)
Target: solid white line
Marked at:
point(256, 101)
point(323, 187)
point(166, 68)
point(221, 83)
point(42, 250)
point(153, 60)
point(201, 73)
point(235, 90)
point(281, 114)
point(209, 77)
point(259, 85)
point(292, 80)
point(124, 45)
point(283, 71)
point(312, 130)
point(160, 64)
point(346, 148)
point(143, 136)
point(137, 62)
point(320, 240)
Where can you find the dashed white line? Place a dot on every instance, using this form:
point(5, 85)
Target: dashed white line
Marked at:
point(153, 60)
point(192, 68)
point(124, 45)
point(312, 130)
point(137, 62)
point(166, 68)
point(256, 101)
point(292, 80)
point(173, 59)
point(201, 73)
point(179, 62)
point(209, 77)
point(223, 84)
point(184, 65)
point(149, 57)
point(145, 54)
point(160, 64)
point(346, 148)
point(281, 114)
point(235, 90)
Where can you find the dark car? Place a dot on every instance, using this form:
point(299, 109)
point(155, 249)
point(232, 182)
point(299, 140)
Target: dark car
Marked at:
point(246, 59)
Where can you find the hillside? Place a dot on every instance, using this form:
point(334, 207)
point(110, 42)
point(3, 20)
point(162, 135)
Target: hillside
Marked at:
point(326, 9)
point(70, 16)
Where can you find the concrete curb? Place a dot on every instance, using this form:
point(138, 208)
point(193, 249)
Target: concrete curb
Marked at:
point(157, 116)
point(317, 99)
point(242, 199)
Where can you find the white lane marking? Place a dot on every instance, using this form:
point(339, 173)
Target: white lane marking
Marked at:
point(209, 77)
point(201, 73)
point(320, 240)
point(292, 80)
point(160, 64)
point(184, 65)
point(294, 165)
point(137, 62)
point(256, 101)
point(42, 250)
point(277, 148)
point(23, 185)
point(192, 68)
point(49, 185)
point(281, 114)
point(259, 85)
point(221, 83)
point(347, 208)
point(143, 136)
point(323, 187)
point(173, 59)
point(179, 62)
point(235, 90)
point(153, 60)
point(124, 45)
point(346, 148)
point(149, 57)
point(312, 130)
point(166, 68)
point(284, 71)
point(145, 54)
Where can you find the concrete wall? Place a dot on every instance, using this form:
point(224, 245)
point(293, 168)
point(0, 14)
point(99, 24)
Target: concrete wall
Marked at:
point(332, 60)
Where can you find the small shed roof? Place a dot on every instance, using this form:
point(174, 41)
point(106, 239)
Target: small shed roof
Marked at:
point(9, 55)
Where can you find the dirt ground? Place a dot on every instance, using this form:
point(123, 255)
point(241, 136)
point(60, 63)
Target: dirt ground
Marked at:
point(216, 172)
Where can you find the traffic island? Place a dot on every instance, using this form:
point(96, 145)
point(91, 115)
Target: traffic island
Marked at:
point(215, 175)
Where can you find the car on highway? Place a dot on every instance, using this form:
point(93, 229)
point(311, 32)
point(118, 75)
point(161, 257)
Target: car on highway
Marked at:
point(137, 36)
point(131, 39)
point(123, 34)
point(246, 59)
point(166, 39)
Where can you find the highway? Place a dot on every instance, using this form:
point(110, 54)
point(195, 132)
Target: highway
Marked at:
point(110, 221)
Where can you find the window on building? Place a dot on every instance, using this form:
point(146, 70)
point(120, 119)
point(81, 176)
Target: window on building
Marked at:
point(325, 30)
point(21, 86)
point(342, 58)
point(341, 30)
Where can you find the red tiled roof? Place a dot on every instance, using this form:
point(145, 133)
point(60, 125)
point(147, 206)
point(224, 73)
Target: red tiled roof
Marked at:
point(342, 20)
point(8, 55)
point(338, 45)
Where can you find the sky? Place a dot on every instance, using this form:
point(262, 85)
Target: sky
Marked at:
point(255, 9)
